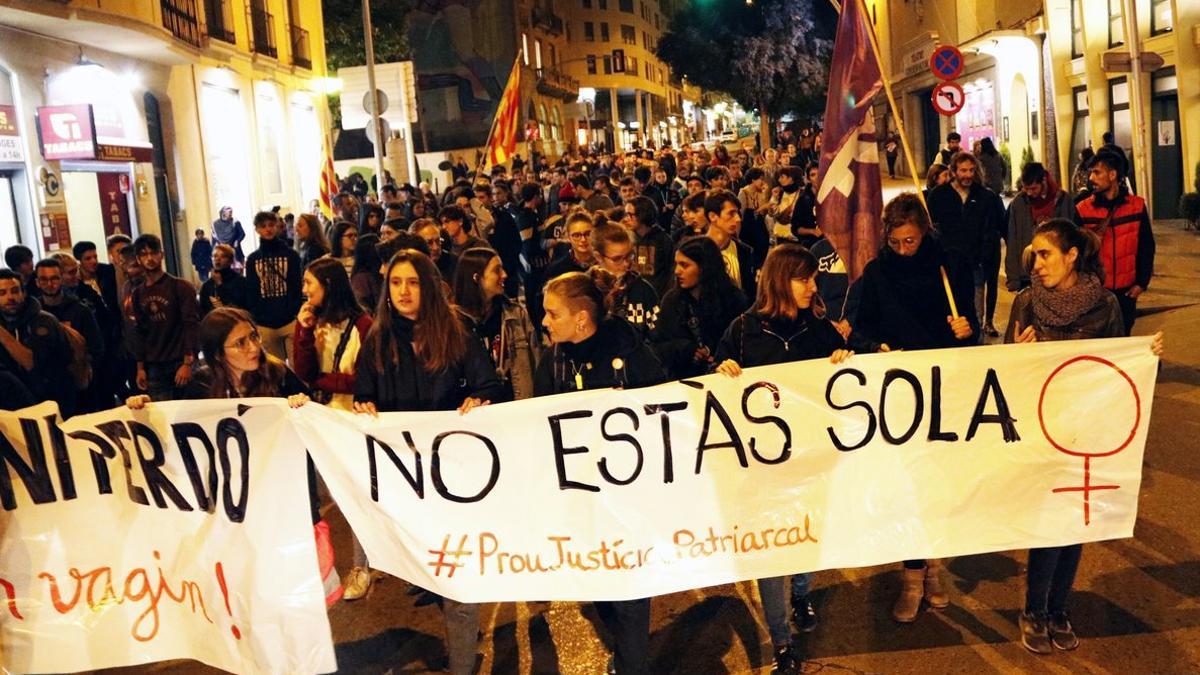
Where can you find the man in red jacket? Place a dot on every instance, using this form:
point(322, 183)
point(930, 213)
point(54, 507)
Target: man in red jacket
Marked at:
point(1123, 224)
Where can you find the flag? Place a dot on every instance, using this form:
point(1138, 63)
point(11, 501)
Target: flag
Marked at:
point(502, 141)
point(329, 186)
point(850, 198)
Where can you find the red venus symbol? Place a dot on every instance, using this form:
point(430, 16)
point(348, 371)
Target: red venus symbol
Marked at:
point(1088, 487)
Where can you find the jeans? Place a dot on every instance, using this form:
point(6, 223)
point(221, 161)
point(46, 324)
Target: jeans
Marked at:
point(629, 623)
point(160, 381)
point(775, 601)
point(991, 281)
point(462, 635)
point(1050, 577)
point(979, 277)
point(278, 341)
point(1128, 307)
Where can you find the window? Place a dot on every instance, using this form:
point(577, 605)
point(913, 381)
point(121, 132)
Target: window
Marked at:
point(591, 65)
point(524, 48)
point(656, 22)
point(1120, 120)
point(1076, 28)
point(587, 4)
point(625, 6)
point(553, 55)
point(1116, 23)
point(603, 5)
point(628, 35)
point(604, 32)
point(631, 65)
point(537, 54)
point(1161, 18)
point(589, 31)
point(608, 65)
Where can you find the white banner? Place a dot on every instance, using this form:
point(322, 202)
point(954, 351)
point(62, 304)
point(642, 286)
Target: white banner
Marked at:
point(798, 467)
point(180, 531)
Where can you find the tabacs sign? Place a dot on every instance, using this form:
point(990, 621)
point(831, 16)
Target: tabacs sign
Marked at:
point(69, 132)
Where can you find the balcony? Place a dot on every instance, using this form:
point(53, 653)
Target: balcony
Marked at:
point(219, 18)
point(300, 54)
point(547, 20)
point(263, 27)
point(179, 17)
point(556, 84)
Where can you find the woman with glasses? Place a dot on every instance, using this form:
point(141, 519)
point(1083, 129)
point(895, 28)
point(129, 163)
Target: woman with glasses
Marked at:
point(1066, 301)
point(634, 299)
point(418, 356)
point(501, 325)
point(580, 257)
point(345, 238)
point(595, 349)
point(904, 306)
point(786, 324)
point(696, 311)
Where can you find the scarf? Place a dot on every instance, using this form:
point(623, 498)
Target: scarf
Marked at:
point(1061, 308)
point(1043, 207)
point(791, 188)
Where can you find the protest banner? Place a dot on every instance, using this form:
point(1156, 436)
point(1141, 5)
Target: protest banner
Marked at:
point(795, 467)
point(179, 531)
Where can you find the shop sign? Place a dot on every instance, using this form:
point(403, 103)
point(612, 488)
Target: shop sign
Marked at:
point(11, 149)
point(114, 202)
point(122, 153)
point(56, 232)
point(66, 132)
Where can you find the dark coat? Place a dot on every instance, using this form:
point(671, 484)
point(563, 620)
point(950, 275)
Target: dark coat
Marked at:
point(595, 361)
point(685, 325)
point(973, 228)
point(49, 379)
point(234, 291)
point(275, 276)
point(1103, 320)
point(755, 339)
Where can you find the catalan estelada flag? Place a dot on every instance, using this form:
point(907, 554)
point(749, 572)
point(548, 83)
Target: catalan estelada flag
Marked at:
point(329, 186)
point(502, 141)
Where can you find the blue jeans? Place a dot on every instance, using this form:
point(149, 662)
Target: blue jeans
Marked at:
point(775, 601)
point(160, 381)
point(1050, 578)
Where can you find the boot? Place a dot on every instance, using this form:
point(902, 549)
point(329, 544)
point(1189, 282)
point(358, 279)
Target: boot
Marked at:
point(358, 583)
point(935, 593)
point(909, 602)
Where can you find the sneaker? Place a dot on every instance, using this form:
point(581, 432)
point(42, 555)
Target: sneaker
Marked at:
point(1034, 634)
point(357, 584)
point(991, 331)
point(786, 662)
point(804, 615)
point(1062, 633)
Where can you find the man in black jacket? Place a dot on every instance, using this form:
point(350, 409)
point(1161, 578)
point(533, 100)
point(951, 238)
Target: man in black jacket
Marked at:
point(73, 314)
point(33, 347)
point(653, 250)
point(971, 221)
point(274, 276)
point(724, 214)
point(226, 287)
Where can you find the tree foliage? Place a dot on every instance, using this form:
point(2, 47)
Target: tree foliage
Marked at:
point(772, 55)
point(345, 39)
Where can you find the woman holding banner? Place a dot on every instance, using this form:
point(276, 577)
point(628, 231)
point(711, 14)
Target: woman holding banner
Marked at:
point(1066, 301)
point(910, 298)
point(330, 329)
point(595, 350)
point(786, 323)
point(418, 355)
point(236, 366)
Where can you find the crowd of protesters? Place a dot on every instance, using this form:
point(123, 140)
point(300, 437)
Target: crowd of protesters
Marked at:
point(594, 271)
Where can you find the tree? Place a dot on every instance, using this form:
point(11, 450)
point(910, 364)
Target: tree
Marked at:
point(344, 37)
point(777, 52)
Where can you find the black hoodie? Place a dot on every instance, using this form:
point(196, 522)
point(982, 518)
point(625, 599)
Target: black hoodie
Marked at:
point(614, 356)
point(42, 333)
point(274, 276)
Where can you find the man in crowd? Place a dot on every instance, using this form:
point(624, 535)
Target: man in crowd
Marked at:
point(33, 349)
point(226, 287)
point(593, 200)
point(724, 214)
point(691, 220)
point(274, 277)
point(1127, 241)
point(654, 252)
point(1039, 201)
point(202, 250)
point(953, 146)
point(457, 229)
point(79, 323)
point(19, 258)
point(431, 234)
point(166, 317)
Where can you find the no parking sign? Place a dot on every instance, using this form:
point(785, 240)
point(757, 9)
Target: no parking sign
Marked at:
point(946, 62)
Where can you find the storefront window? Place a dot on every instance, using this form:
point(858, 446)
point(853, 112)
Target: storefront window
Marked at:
point(270, 137)
point(8, 213)
point(227, 157)
point(308, 143)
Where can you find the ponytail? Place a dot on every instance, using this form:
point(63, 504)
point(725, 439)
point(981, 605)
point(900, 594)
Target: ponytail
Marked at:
point(1066, 235)
point(590, 291)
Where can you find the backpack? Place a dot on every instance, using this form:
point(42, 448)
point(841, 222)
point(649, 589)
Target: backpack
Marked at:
point(80, 366)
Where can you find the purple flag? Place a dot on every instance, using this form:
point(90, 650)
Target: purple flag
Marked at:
point(850, 199)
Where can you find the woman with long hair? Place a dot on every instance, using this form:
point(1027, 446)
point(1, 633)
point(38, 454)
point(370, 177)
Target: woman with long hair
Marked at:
point(342, 243)
point(593, 349)
point(1066, 301)
point(501, 325)
point(365, 279)
point(786, 324)
point(696, 311)
point(370, 219)
point(995, 172)
point(938, 174)
point(310, 239)
point(418, 356)
point(904, 306)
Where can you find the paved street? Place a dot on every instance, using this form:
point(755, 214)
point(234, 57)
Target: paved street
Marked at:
point(1136, 605)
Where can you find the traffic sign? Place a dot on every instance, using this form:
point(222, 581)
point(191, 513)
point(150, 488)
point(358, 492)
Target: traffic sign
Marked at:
point(946, 62)
point(948, 98)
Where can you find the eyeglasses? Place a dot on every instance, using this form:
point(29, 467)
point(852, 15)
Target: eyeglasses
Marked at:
point(907, 241)
point(246, 343)
point(628, 257)
point(580, 236)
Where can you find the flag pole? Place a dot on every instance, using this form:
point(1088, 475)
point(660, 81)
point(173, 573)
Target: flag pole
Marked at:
point(492, 130)
point(908, 156)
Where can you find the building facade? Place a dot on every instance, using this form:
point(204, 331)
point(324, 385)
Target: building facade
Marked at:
point(148, 116)
point(1035, 81)
point(629, 97)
